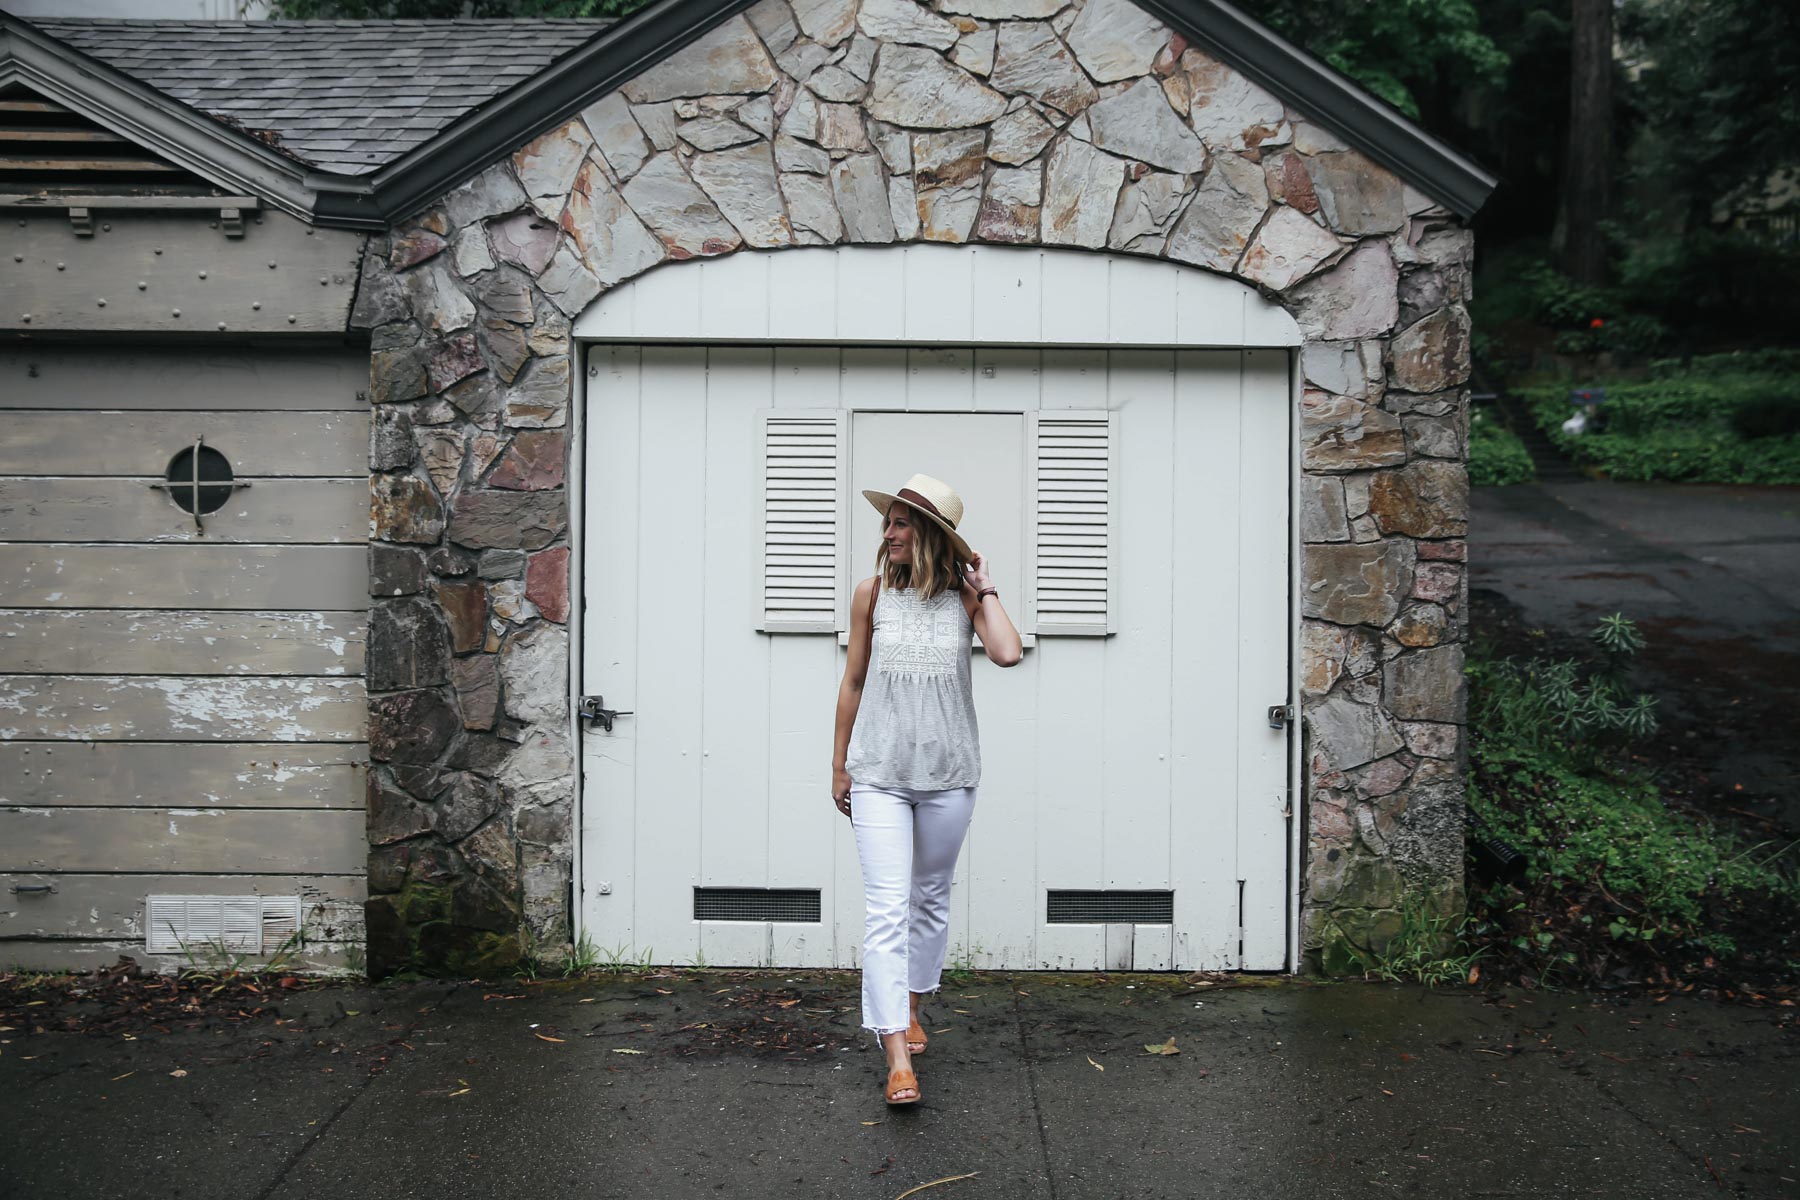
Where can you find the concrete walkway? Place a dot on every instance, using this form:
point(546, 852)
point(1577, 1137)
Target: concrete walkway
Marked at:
point(759, 1084)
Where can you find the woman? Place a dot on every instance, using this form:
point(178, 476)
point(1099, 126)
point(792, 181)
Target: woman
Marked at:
point(906, 759)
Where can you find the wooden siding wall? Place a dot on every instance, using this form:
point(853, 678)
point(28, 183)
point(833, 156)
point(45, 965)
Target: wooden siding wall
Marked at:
point(180, 712)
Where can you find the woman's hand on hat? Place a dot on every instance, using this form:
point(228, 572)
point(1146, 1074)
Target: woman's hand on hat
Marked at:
point(976, 572)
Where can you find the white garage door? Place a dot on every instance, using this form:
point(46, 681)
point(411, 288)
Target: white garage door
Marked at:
point(1132, 811)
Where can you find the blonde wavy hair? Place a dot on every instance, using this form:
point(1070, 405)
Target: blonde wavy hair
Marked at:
point(939, 570)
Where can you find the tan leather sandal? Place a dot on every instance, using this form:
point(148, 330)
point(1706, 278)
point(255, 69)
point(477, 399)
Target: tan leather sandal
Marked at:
point(915, 1037)
point(899, 1081)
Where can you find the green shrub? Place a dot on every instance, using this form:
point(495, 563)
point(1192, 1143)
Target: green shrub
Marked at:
point(1723, 419)
point(1717, 284)
point(1496, 455)
point(1611, 864)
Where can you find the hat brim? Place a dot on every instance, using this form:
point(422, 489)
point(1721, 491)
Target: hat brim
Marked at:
point(884, 501)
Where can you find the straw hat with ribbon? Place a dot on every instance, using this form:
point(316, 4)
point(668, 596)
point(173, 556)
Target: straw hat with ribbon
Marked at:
point(934, 498)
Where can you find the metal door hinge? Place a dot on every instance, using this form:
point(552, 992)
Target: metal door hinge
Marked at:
point(1280, 715)
point(593, 708)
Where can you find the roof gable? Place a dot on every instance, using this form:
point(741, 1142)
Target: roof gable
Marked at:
point(347, 97)
point(205, 153)
point(49, 151)
point(382, 165)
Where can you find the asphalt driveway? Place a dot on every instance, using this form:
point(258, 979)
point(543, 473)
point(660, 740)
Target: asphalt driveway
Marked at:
point(759, 1084)
point(1711, 574)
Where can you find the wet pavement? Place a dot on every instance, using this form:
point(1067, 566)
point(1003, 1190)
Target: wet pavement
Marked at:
point(760, 1084)
point(1711, 574)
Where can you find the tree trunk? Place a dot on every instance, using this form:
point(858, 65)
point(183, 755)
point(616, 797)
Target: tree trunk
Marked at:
point(1587, 178)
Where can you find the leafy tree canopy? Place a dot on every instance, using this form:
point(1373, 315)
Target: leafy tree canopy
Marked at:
point(1719, 88)
point(1397, 49)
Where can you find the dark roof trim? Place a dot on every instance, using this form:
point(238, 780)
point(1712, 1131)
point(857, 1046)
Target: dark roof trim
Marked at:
point(1332, 100)
point(469, 144)
point(222, 155)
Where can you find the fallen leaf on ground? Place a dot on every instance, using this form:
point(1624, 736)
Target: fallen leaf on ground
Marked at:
point(179, 1073)
point(127, 1075)
point(621, 1050)
point(1097, 1066)
point(588, 1000)
point(461, 1091)
point(546, 1037)
point(871, 1122)
point(1167, 1047)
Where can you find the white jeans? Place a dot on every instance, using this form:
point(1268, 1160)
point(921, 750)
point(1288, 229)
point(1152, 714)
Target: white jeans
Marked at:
point(908, 840)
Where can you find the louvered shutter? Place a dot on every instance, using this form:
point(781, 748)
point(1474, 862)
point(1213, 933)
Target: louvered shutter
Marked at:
point(1072, 537)
point(802, 467)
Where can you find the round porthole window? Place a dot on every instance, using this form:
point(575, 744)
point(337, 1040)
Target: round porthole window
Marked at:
point(199, 479)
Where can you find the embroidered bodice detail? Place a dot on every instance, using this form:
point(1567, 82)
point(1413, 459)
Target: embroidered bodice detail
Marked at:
point(915, 726)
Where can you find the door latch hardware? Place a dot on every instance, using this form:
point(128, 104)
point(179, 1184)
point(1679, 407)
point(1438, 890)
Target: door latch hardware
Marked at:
point(1280, 715)
point(593, 708)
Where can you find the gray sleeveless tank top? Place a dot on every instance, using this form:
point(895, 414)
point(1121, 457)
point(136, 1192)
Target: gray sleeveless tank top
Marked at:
point(915, 726)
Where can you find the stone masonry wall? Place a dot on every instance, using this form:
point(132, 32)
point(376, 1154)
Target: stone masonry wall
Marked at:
point(834, 122)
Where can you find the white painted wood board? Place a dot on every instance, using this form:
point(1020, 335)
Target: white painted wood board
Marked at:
point(259, 445)
point(72, 376)
point(125, 641)
point(924, 293)
point(210, 775)
point(258, 841)
point(182, 707)
point(112, 905)
point(268, 512)
point(166, 273)
point(212, 576)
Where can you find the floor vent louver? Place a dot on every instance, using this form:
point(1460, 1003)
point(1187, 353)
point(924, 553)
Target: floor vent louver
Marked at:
point(756, 904)
point(1072, 906)
point(246, 924)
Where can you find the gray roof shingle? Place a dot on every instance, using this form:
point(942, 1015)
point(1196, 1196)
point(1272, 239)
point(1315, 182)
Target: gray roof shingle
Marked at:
point(343, 96)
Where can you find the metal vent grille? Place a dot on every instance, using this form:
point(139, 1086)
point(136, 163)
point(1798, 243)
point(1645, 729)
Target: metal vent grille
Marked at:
point(756, 904)
point(1069, 906)
point(248, 924)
